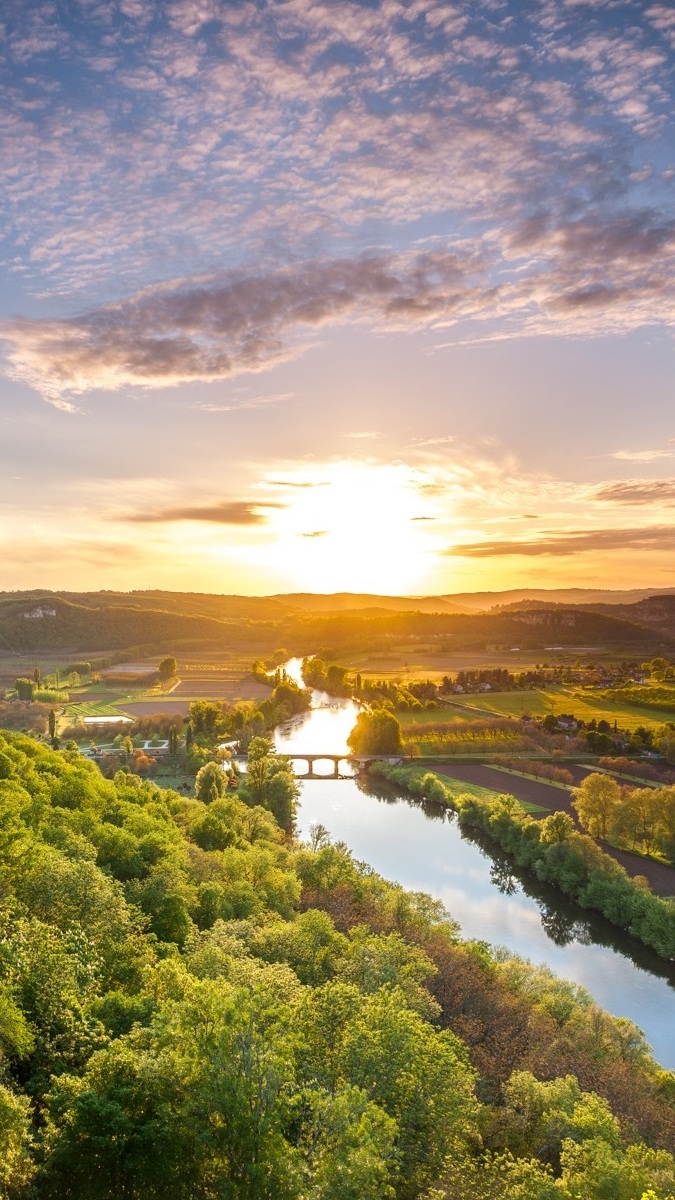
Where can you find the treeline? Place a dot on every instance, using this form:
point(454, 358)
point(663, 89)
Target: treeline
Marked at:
point(161, 620)
point(640, 769)
point(641, 819)
point(389, 694)
point(191, 1006)
point(542, 770)
point(149, 726)
point(348, 632)
point(492, 735)
point(660, 698)
point(211, 721)
point(24, 715)
point(496, 679)
point(29, 690)
point(554, 852)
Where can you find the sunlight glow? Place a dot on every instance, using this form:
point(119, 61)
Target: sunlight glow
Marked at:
point(350, 526)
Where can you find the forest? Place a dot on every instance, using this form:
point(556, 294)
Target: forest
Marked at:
point(193, 1004)
point(152, 622)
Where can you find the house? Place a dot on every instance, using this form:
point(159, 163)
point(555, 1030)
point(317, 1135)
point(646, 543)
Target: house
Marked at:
point(38, 613)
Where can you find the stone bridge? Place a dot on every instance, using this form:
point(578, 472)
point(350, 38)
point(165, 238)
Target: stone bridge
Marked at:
point(357, 763)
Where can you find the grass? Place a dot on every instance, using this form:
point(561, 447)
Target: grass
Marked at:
point(407, 662)
point(583, 704)
point(457, 787)
point(172, 780)
point(203, 680)
point(96, 708)
point(443, 715)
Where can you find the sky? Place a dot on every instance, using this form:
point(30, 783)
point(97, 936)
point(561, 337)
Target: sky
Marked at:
point(337, 295)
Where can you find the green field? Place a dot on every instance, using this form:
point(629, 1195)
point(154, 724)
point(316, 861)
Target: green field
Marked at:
point(457, 787)
point(585, 705)
point(405, 662)
point(218, 678)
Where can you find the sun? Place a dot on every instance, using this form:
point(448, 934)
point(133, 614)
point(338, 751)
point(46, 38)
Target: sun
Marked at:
point(352, 527)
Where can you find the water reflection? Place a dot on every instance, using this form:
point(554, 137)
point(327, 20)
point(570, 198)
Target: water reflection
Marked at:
point(563, 929)
point(502, 878)
point(418, 844)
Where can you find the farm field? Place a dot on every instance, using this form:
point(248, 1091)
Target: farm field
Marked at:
point(13, 665)
point(206, 679)
point(149, 708)
point(583, 704)
point(432, 662)
point(220, 688)
point(462, 786)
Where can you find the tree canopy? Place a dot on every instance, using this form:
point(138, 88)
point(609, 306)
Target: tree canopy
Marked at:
point(192, 1005)
point(376, 732)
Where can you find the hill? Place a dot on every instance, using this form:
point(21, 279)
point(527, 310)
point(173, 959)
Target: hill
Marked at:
point(37, 621)
point(487, 601)
point(317, 602)
point(150, 622)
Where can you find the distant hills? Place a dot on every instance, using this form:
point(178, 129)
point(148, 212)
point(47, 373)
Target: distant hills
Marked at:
point(462, 602)
point(484, 601)
point(635, 621)
point(362, 601)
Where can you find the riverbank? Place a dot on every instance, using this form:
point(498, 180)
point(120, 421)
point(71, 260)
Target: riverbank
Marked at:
point(545, 798)
point(420, 846)
point(557, 854)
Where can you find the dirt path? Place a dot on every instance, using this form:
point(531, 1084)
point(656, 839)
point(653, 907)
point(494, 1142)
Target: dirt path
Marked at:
point(534, 791)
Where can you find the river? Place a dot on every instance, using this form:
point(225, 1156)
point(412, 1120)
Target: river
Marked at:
point(420, 847)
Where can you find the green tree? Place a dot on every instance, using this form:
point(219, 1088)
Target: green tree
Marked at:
point(24, 688)
point(637, 819)
point(80, 668)
point(269, 781)
point(210, 782)
point(556, 829)
point(207, 717)
point(16, 1165)
point(52, 723)
point(350, 1146)
point(596, 802)
point(419, 1076)
point(168, 667)
point(376, 732)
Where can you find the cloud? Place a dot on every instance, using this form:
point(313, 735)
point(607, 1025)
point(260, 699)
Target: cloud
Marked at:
point(246, 402)
point(227, 512)
point(67, 555)
point(316, 533)
point(642, 456)
point(144, 136)
point(295, 483)
point(212, 329)
point(588, 275)
point(147, 141)
point(655, 537)
point(638, 491)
